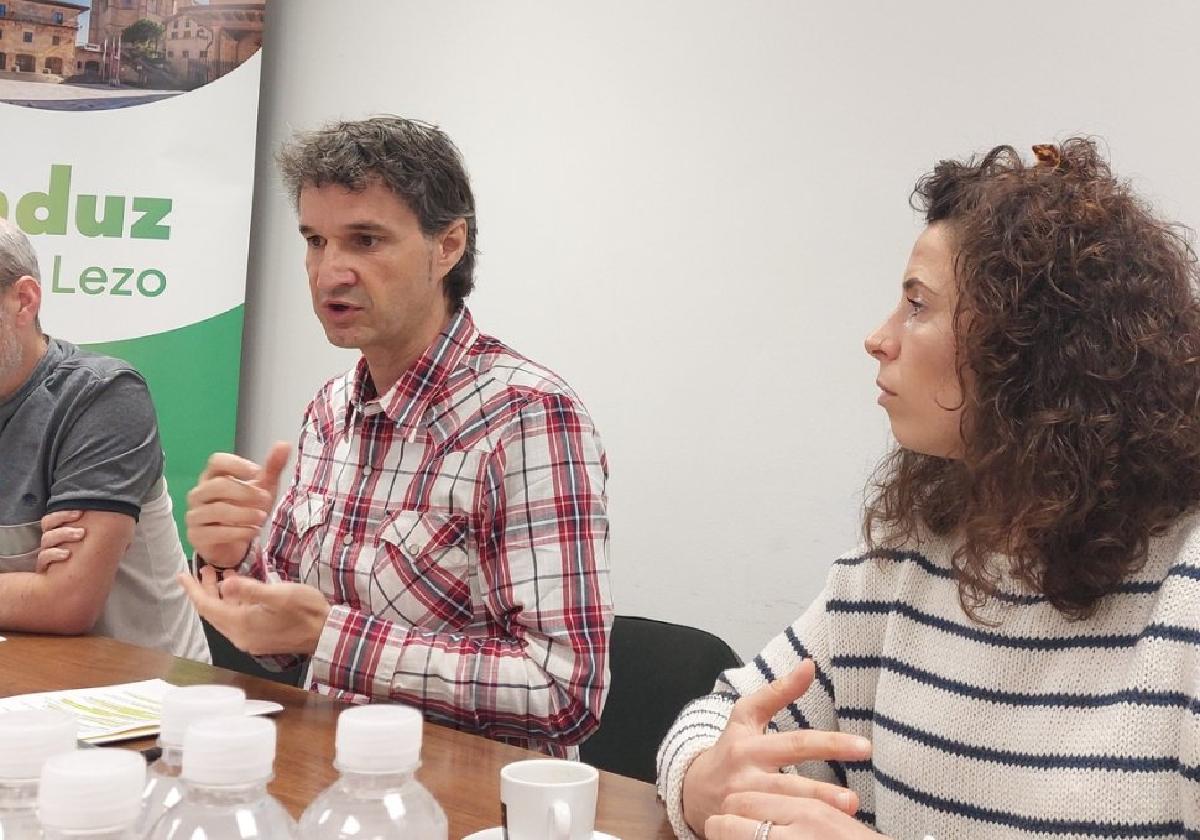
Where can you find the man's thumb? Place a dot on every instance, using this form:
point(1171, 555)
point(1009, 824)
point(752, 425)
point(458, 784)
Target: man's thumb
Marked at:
point(239, 588)
point(273, 466)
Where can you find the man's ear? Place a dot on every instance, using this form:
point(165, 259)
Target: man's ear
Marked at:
point(27, 292)
point(449, 247)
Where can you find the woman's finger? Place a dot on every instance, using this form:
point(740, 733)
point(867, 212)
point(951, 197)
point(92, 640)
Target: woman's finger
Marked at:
point(792, 785)
point(784, 749)
point(732, 827)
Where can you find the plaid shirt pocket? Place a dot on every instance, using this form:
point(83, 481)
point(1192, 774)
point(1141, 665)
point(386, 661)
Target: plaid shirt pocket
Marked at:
point(309, 517)
point(421, 573)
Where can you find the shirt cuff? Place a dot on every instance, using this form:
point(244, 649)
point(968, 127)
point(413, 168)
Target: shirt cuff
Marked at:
point(250, 565)
point(254, 565)
point(358, 653)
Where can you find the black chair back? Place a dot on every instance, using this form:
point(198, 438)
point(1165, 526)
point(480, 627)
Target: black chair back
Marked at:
point(225, 655)
point(657, 669)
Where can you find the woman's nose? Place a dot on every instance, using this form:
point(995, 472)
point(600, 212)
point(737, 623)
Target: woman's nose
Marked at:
point(878, 345)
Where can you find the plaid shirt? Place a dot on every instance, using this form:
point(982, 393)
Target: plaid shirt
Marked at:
point(458, 526)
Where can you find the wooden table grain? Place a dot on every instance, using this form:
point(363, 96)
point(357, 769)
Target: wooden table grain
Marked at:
point(461, 770)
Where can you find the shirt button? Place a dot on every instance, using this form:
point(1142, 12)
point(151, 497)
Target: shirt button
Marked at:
point(366, 470)
point(348, 540)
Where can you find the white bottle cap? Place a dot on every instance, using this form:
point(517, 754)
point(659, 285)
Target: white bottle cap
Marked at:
point(91, 789)
point(379, 738)
point(183, 706)
point(27, 739)
point(229, 751)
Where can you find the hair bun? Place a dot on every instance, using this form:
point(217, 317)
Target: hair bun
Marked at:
point(1048, 155)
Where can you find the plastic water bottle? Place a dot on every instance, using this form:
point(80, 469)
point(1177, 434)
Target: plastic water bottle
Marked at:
point(27, 739)
point(227, 762)
point(92, 794)
point(180, 708)
point(377, 796)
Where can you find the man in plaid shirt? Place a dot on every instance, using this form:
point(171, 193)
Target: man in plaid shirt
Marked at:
point(443, 541)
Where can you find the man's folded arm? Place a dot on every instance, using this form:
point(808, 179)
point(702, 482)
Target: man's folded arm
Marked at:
point(68, 598)
point(107, 462)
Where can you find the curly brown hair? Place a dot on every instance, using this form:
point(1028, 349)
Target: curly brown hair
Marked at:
point(1078, 348)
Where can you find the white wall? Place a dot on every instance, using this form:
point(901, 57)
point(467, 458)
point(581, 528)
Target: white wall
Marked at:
point(694, 210)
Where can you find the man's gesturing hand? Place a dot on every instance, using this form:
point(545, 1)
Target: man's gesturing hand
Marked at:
point(231, 502)
point(259, 618)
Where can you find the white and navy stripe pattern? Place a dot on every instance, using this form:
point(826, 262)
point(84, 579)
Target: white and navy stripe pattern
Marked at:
point(1027, 726)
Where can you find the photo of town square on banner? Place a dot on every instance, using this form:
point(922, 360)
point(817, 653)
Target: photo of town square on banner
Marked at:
point(99, 54)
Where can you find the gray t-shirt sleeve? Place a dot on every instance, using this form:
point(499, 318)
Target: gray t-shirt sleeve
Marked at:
point(108, 456)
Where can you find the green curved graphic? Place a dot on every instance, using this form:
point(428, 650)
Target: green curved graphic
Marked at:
point(193, 373)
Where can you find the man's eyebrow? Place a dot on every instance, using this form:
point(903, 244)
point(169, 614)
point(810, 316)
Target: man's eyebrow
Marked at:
point(353, 227)
point(374, 227)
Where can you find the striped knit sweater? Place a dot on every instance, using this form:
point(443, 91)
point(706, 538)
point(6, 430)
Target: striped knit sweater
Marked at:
point(1036, 727)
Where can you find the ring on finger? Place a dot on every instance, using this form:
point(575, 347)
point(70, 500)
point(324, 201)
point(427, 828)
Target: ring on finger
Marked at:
point(763, 830)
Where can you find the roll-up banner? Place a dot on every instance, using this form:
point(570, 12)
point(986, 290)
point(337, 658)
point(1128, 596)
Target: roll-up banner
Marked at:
point(128, 140)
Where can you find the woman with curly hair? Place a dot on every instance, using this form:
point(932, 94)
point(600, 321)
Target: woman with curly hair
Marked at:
point(1015, 650)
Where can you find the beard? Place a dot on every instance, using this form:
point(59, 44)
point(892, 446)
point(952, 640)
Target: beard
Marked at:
point(10, 349)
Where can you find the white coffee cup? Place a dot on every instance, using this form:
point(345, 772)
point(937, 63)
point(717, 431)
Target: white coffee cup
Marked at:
point(548, 799)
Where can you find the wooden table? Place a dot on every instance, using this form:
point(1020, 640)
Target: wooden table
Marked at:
point(461, 770)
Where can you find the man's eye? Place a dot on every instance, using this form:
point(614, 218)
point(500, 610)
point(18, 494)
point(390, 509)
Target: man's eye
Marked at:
point(367, 241)
point(315, 241)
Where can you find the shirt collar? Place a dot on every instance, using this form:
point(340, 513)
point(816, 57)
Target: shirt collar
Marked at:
point(406, 401)
point(56, 351)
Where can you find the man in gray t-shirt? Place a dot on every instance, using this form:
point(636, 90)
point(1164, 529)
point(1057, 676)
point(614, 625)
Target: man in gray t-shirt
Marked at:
point(78, 432)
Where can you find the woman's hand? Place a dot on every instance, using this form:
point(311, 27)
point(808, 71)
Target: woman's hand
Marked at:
point(746, 760)
point(743, 815)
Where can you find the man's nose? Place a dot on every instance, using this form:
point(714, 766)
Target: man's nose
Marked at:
point(334, 270)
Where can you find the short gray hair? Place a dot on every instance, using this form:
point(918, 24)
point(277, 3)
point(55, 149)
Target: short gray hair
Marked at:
point(417, 161)
point(17, 257)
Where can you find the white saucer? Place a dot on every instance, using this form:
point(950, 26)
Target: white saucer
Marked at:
point(497, 833)
point(262, 707)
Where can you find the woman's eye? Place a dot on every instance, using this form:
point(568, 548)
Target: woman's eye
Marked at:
point(916, 305)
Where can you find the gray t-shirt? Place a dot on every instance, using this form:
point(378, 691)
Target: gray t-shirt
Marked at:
point(81, 434)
